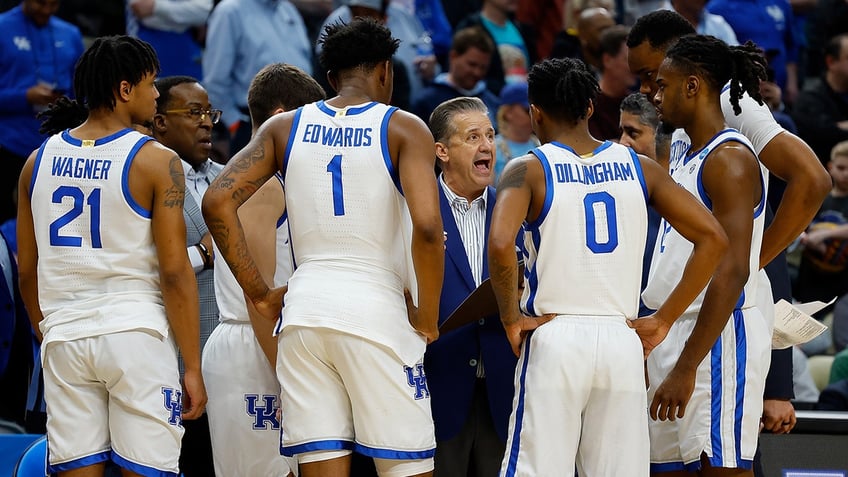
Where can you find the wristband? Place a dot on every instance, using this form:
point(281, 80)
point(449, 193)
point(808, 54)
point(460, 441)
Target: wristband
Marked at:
point(207, 257)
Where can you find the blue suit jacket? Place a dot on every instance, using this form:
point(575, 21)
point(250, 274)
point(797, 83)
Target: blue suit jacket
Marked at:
point(451, 361)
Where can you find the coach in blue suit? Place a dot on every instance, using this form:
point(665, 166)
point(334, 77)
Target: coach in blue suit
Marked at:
point(16, 341)
point(469, 370)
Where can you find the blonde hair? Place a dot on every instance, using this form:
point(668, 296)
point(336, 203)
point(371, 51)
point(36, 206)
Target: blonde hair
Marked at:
point(839, 150)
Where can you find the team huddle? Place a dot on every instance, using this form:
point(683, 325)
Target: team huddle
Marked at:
point(330, 248)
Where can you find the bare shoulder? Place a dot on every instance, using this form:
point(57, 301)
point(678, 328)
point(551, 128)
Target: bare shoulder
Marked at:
point(519, 171)
point(403, 123)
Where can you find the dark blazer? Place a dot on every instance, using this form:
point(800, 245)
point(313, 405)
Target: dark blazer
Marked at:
point(451, 361)
point(16, 346)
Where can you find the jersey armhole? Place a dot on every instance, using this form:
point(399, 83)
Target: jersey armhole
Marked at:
point(384, 148)
point(289, 144)
point(36, 166)
point(549, 189)
point(125, 179)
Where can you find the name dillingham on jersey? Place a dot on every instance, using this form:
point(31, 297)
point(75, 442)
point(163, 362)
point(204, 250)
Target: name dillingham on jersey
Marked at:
point(338, 137)
point(81, 168)
point(594, 173)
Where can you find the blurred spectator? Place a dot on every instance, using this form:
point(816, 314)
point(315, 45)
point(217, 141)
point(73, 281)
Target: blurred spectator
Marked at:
point(515, 133)
point(828, 19)
point(458, 10)
point(313, 13)
point(513, 54)
point(590, 26)
point(839, 367)
point(705, 23)
point(823, 274)
point(243, 37)
point(802, 381)
point(544, 18)
point(432, 15)
point(469, 58)
point(834, 397)
point(415, 53)
point(567, 42)
point(38, 52)
point(821, 111)
point(616, 82)
point(170, 28)
point(16, 341)
point(769, 24)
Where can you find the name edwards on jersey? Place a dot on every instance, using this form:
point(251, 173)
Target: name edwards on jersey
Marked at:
point(594, 173)
point(337, 137)
point(81, 168)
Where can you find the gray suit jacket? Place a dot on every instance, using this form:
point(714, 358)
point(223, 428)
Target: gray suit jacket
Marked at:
point(195, 230)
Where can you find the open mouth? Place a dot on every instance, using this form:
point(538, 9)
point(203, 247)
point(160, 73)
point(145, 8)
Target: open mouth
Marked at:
point(483, 165)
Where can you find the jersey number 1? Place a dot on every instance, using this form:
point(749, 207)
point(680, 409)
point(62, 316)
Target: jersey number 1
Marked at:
point(593, 226)
point(335, 170)
point(78, 202)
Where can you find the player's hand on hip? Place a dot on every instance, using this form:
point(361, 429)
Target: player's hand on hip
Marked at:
point(194, 394)
point(517, 330)
point(651, 331)
point(271, 304)
point(778, 416)
point(673, 395)
point(428, 331)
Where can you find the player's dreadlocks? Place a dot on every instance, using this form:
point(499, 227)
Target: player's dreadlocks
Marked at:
point(710, 58)
point(98, 75)
point(563, 88)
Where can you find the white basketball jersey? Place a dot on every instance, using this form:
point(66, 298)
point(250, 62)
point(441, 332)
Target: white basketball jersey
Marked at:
point(98, 271)
point(346, 217)
point(584, 251)
point(228, 292)
point(672, 250)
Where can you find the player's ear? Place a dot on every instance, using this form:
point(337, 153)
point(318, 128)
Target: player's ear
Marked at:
point(159, 124)
point(124, 90)
point(693, 85)
point(591, 109)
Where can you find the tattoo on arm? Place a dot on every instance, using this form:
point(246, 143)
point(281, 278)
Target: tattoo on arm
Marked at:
point(514, 177)
point(175, 193)
point(503, 279)
point(239, 165)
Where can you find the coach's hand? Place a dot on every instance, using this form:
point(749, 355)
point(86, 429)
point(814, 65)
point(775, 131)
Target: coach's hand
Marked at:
point(651, 330)
point(673, 395)
point(194, 394)
point(517, 330)
point(778, 416)
point(428, 331)
point(270, 306)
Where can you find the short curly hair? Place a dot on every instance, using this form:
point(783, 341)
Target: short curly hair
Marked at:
point(362, 43)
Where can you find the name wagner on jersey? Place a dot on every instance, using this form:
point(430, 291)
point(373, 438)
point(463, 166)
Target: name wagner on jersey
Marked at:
point(81, 168)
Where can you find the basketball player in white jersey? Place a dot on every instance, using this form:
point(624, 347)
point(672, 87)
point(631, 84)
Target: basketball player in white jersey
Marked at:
point(106, 278)
point(784, 154)
point(348, 362)
point(238, 359)
point(580, 385)
point(707, 376)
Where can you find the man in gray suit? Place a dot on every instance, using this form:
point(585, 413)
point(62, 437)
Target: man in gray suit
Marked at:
point(183, 122)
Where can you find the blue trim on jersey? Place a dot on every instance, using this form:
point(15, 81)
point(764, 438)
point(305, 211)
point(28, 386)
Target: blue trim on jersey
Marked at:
point(594, 152)
point(77, 463)
point(331, 444)
point(393, 454)
point(667, 467)
point(741, 363)
point(384, 148)
point(639, 173)
point(725, 87)
point(532, 275)
point(66, 136)
point(125, 179)
point(691, 155)
point(35, 167)
point(549, 189)
point(702, 192)
point(289, 143)
point(715, 399)
point(139, 468)
point(324, 108)
point(512, 456)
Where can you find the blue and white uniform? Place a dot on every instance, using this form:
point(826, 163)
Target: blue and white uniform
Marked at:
point(242, 387)
point(583, 263)
point(346, 346)
point(722, 417)
point(98, 278)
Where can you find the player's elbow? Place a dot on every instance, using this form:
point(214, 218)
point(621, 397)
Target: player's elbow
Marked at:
point(501, 247)
point(820, 184)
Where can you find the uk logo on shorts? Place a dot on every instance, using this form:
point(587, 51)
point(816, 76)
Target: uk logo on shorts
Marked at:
point(417, 380)
point(174, 404)
point(263, 413)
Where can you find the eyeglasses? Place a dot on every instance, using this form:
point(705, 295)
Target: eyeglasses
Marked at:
point(198, 114)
